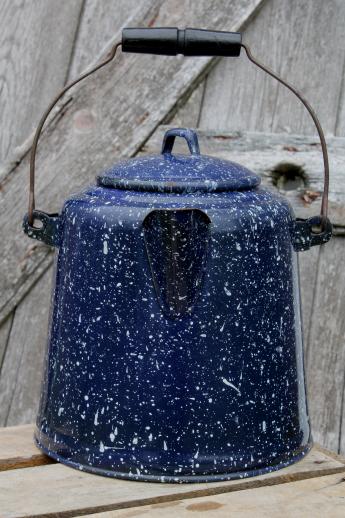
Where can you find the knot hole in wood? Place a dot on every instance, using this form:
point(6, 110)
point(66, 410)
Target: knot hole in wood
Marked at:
point(288, 176)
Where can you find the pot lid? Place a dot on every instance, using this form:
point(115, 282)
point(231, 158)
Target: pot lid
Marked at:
point(179, 173)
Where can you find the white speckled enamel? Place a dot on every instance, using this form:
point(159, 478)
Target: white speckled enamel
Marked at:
point(175, 346)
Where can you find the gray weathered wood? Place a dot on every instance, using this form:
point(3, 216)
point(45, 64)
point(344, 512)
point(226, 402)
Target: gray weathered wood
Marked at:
point(308, 269)
point(294, 39)
point(340, 121)
point(188, 114)
point(20, 379)
point(318, 497)
point(36, 40)
point(5, 329)
point(326, 349)
point(94, 127)
point(99, 22)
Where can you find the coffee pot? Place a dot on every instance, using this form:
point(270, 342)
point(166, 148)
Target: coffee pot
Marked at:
point(175, 344)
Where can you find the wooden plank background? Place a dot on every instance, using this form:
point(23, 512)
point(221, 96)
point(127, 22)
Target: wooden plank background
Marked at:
point(44, 44)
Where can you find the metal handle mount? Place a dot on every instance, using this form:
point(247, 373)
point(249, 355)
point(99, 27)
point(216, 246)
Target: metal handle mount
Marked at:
point(189, 42)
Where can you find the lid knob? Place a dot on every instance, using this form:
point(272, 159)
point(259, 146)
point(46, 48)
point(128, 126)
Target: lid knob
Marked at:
point(189, 135)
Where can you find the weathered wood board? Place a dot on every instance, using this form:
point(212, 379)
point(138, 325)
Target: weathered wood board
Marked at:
point(326, 348)
point(18, 450)
point(36, 42)
point(290, 37)
point(67, 492)
point(20, 381)
point(318, 497)
point(99, 23)
point(5, 330)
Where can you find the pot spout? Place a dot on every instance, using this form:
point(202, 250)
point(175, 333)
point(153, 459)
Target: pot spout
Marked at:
point(176, 245)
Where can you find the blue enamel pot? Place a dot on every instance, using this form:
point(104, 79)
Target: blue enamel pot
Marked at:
point(175, 345)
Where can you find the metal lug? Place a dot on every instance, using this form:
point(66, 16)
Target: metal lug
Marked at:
point(304, 235)
point(48, 232)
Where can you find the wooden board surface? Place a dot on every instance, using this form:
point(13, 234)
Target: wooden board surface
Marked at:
point(67, 492)
point(36, 41)
point(100, 117)
point(326, 348)
point(17, 448)
point(20, 382)
point(99, 23)
point(5, 330)
point(318, 498)
point(290, 37)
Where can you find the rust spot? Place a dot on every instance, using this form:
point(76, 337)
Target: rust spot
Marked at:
point(319, 461)
point(293, 149)
point(309, 196)
point(204, 506)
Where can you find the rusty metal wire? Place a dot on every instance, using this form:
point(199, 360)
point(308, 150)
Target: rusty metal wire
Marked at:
point(324, 202)
point(44, 117)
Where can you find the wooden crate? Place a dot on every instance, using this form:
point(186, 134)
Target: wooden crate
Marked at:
point(31, 484)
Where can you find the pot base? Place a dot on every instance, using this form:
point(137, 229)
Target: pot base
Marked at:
point(292, 458)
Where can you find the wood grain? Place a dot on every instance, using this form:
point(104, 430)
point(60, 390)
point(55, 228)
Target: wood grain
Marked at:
point(99, 22)
point(188, 114)
point(308, 269)
point(319, 497)
point(17, 448)
point(21, 373)
point(72, 151)
point(84, 493)
point(292, 41)
point(5, 329)
point(36, 40)
point(326, 349)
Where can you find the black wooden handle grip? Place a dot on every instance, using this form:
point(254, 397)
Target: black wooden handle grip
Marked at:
point(171, 41)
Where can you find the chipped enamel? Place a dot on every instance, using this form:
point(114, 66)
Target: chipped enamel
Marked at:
point(215, 389)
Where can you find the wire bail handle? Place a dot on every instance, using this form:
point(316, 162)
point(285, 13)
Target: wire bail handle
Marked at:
point(189, 42)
